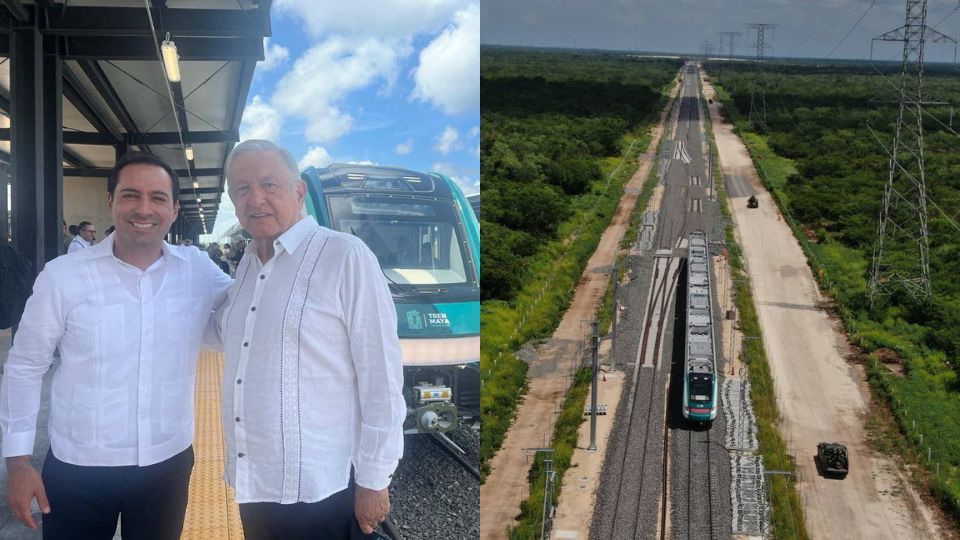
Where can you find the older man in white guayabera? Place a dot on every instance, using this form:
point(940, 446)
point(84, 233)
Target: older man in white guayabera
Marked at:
point(312, 393)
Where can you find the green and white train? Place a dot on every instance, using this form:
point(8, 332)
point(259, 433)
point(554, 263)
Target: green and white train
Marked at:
point(427, 238)
point(700, 361)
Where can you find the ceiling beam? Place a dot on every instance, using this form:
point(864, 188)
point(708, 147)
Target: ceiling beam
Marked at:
point(15, 7)
point(200, 191)
point(190, 137)
point(74, 91)
point(166, 137)
point(101, 172)
point(143, 48)
point(109, 94)
point(121, 21)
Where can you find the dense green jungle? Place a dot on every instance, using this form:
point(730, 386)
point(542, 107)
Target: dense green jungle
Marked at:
point(824, 155)
point(559, 132)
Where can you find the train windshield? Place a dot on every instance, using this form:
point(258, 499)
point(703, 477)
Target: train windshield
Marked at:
point(418, 241)
point(701, 388)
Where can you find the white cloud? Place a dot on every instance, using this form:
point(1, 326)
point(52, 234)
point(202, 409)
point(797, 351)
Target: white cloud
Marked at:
point(404, 148)
point(442, 167)
point(475, 131)
point(260, 121)
point(370, 18)
point(448, 141)
point(273, 56)
point(467, 184)
point(326, 73)
point(317, 156)
point(449, 71)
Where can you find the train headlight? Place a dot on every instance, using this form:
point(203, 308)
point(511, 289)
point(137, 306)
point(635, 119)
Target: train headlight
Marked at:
point(433, 394)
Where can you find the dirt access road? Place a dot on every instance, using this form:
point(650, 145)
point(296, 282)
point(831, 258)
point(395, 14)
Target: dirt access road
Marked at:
point(506, 486)
point(821, 397)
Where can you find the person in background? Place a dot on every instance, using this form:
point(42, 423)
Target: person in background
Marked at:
point(72, 232)
point(86, 234)
point(310, 326)
point(127, 316)
point(110, 230)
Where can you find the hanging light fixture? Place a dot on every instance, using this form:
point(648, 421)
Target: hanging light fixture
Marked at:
point(171, 62)
point(189, 152)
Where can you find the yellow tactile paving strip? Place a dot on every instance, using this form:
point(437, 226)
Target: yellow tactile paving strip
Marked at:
point(212, 512)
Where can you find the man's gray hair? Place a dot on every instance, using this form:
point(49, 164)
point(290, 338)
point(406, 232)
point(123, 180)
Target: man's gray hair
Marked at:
point(260, 145)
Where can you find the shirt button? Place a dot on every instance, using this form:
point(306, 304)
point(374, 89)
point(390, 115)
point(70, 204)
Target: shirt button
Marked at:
point(263, 276)
point(253, 308)
point(239, 381)
point(241, 454)
point(246, 343)
point(237, 419)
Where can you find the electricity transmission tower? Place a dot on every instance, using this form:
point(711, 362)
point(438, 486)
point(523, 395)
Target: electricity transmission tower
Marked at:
point(900, 255)
point(730, 49)
point(731, 36)
point(758, 99)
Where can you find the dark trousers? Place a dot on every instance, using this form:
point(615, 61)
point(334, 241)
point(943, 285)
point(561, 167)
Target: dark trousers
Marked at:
point(329, 519)
point(85, 502)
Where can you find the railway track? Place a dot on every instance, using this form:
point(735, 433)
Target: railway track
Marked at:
point(435, 492)
point(662, 482)
point(646, 414)
point(455, 452)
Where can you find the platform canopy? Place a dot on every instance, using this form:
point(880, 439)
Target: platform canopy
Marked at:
point(84, 80)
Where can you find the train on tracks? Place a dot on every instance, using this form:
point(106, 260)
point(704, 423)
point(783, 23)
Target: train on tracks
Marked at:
point(700, 360)
point(427, 239)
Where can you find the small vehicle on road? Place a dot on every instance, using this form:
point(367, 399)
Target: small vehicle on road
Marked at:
point(752, 202)
point(832, 459)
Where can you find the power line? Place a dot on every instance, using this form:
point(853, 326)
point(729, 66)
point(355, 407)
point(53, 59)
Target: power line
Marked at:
point(852, 28)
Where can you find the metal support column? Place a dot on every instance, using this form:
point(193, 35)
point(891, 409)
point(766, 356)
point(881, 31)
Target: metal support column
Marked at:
point(36, 145)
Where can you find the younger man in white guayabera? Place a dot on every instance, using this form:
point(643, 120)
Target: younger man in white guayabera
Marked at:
point(313, 407)
point(127, 316)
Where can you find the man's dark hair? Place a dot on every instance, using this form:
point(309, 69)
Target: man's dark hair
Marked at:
point(83, 225)
point(74, 229)
point(134, 158)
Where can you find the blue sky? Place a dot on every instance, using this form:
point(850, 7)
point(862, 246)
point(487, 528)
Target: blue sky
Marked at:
point(807, 28)
point(392, 83)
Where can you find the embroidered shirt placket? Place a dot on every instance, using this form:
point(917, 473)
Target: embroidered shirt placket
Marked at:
point(249, 325)
point(144, 397)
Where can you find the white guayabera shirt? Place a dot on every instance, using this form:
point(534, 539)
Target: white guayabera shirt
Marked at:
point(313, 375)
point(128, 341)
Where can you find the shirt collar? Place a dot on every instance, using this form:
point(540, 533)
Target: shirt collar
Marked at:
point(105, 249)
point(292, 238)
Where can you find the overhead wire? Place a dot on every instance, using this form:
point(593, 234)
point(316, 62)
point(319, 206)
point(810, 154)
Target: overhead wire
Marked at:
point(852, 28)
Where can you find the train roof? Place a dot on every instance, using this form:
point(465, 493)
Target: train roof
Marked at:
point(375, 178)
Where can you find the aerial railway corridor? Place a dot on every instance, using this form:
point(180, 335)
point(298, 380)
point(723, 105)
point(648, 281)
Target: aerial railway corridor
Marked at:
point(665, 478)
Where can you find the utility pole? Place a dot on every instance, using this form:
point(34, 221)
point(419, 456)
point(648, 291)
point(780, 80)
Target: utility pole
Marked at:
point(901, 253)
point(546, 522)
point(616, 311)
point(758, 99)
point(593, 388)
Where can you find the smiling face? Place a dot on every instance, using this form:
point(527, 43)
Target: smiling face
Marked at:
point(143, 207)
point(267, 195)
